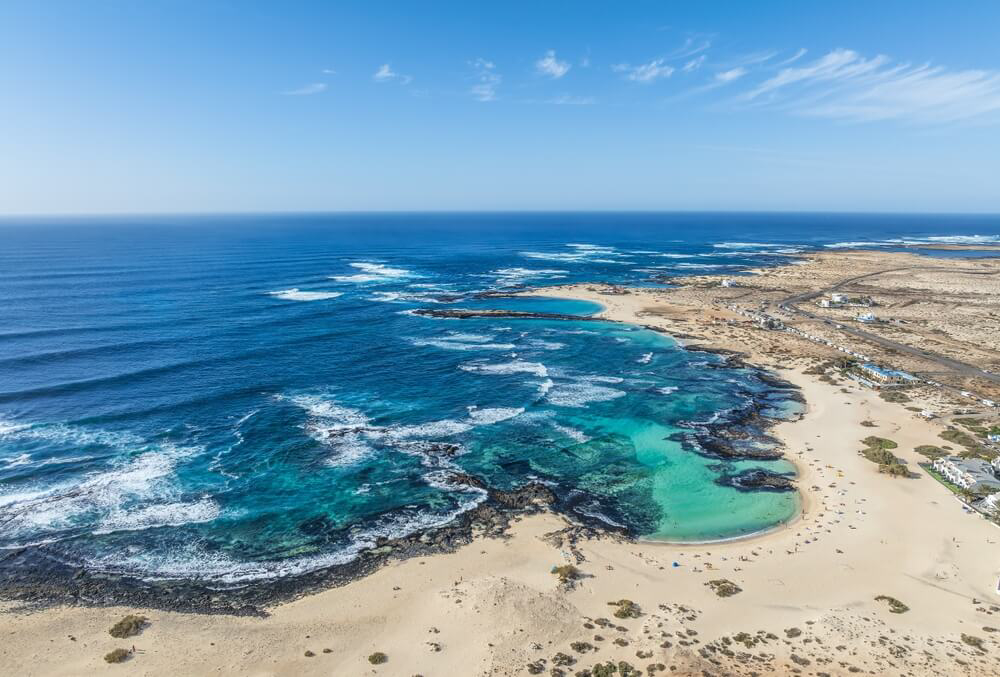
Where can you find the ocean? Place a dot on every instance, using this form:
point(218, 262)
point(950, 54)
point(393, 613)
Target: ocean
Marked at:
point(235, 399)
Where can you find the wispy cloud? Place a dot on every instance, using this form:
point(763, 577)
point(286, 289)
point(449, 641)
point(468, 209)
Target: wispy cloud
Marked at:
point(794, 57)
point(646, 72)
point(386, 74)
point(311, 88)
point(691, 46)
point(731, 74)
point(487, 80)
point(328, 71)
point(552, 67)
point(694, 64)
point(845, 85)
point(569, 100)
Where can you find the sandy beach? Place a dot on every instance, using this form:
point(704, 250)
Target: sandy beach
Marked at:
point(807, 601)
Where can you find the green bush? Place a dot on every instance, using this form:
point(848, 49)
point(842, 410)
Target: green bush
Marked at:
point(895, 606)
point(566, 573)
point(626, 609)
point(132, 624)
point(378, 658)
point(116, 656)
point(724, 587)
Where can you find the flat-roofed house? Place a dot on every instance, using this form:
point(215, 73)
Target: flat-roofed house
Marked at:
point(973, 474)
point(883, 377)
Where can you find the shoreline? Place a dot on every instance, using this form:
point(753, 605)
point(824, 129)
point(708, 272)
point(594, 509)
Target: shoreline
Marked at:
point(808, 599)
point(45, 583)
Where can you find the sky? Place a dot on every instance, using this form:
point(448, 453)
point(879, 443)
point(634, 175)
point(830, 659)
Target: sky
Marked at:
point(207, 106)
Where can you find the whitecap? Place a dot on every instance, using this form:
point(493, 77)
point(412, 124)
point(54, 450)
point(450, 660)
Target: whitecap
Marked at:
point(515, 276)
point(128, 486)
point(372, 272)
point(581, 394)
point(545, 345)
point(191, 561)
point(572, 433)
point(493, 415)
point(645, 359)
point(23, 459)
point(296, 294)
point(565, 257)
point(162, 515)
point(446, 344)
point(70, 435)
point(513, 367)
point(402, 297)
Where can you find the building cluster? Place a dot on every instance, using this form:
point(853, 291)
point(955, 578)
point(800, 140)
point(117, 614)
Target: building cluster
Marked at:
point(837, 300)
point(973, 474)
point(762, 320)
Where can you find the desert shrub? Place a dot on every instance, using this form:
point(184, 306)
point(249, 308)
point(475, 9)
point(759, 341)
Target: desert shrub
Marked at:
point(116, 656)
point(930, 451)
point(895, 606)
point(724, 587)
point(567, 573)
point(378, 658)
point(891, 395)
point(973, 641)
point(879, 442)
point(894, 469)
point(626, 609)
point(132, 624)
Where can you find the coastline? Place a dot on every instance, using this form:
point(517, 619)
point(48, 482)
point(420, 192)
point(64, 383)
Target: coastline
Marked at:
point(484, 607)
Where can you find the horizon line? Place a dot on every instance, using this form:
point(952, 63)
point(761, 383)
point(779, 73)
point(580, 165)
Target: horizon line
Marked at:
point(400, 212)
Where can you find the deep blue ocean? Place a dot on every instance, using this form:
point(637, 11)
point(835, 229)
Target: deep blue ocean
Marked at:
point(235, 398)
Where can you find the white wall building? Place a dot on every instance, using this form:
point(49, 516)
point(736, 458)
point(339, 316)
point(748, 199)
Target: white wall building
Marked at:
point(973, 474)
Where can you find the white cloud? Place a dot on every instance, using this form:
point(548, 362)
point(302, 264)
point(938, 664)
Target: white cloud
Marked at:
point(311, 88)
point(694, 64)
point(386, 74)
point(794, 57)
point(647, 72)
point(845, 85)
point(731, 74)
point(329, 71)
point(552, 67)
point(488, 80)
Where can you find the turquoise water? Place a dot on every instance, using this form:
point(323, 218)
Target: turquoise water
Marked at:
point(241, 398)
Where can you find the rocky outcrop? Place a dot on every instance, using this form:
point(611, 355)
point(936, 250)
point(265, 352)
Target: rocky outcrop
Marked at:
point(756, 479)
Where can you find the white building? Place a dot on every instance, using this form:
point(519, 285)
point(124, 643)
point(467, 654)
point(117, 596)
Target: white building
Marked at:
point(729, 283)
point(989, 403)
point(877, 376)
point(838, 298)
point(867, 318)
point(973, 474)
point(928, 414)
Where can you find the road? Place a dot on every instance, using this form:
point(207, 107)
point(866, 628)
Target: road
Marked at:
point(961, 368)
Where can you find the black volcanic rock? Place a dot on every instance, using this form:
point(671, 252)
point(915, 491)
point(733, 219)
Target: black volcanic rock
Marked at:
point(756, 479)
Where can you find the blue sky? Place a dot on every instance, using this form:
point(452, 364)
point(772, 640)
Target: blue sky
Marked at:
point(213, 106)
